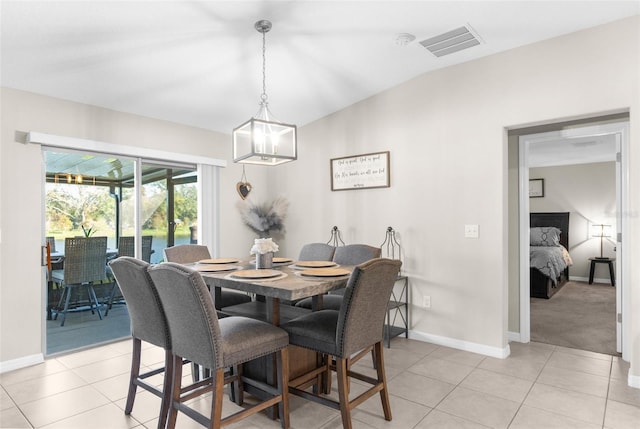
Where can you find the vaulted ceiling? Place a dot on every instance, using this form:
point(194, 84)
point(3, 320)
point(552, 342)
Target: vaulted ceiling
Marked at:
point(199, 63)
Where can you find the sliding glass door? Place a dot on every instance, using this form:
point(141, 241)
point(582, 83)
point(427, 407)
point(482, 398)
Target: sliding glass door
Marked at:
point(140, 206)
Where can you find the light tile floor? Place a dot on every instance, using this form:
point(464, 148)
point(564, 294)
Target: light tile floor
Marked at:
point(538, 386)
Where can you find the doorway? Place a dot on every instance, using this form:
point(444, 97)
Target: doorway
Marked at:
point(140, 206)
point(604, 142)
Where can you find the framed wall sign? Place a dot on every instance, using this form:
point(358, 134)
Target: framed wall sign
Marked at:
point(536, 188)
point(370, 170)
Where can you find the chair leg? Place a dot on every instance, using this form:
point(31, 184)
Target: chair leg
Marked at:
point(236, 389)
point(94, 299)
point(176, 386)
point(66, 306)
point(111, 295)
point(166, 388)
point(218, 394)
point(384, 393)
point(135, 372)
point(343, 392)
point(60, 301)
point(327, 374)
point(282, 366)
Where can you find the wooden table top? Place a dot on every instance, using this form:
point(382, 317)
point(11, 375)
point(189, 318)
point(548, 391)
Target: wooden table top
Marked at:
point(291, 287)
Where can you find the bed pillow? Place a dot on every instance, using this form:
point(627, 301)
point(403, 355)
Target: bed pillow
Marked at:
point(545, 236)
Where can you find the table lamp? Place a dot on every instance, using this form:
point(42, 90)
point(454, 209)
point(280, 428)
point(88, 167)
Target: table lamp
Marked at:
point(601, 231)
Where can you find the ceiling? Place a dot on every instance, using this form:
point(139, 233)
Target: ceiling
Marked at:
point(199, 63)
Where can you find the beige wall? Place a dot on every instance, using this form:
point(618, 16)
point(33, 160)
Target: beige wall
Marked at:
point(449, 167)
point(446, 133)
point(588, 193)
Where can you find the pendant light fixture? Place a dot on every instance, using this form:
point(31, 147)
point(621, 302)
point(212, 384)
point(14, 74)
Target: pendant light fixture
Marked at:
point(263, 140)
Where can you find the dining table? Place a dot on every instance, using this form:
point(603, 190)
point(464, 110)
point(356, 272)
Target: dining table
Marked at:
point(287, 282)
point(292, 283)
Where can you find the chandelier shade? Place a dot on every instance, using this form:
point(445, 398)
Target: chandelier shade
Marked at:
point(262, 140)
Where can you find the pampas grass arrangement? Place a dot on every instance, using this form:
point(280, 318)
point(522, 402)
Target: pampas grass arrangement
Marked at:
point(264, 218)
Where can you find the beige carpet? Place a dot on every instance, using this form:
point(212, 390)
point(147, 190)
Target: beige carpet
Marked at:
point(579, 316)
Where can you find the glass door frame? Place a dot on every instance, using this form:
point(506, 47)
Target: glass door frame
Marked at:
point(207, 184)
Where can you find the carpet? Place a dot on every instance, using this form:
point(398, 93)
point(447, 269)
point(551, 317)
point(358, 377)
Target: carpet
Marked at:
point(579, 316)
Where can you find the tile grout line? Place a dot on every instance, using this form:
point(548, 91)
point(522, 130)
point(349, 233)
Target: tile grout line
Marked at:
point(606, 399)
point(532, 385)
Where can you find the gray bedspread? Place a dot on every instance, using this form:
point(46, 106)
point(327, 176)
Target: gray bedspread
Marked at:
point(549, 260)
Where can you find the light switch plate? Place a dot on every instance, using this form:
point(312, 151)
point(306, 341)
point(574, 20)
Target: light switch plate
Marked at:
point(471, 231)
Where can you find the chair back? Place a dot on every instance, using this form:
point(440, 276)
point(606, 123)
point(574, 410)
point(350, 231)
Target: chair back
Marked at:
point(191, 316)
point(354, 254)
point(148, 321)
point(364, 305)
point(52, 244)
point(186, 253)
point(85, 259)
point(316, 252)
point(126, 247)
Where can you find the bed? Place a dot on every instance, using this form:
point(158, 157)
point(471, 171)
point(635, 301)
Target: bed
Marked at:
point(548, 255)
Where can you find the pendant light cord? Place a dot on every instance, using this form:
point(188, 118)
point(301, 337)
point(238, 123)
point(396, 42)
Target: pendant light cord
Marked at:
point(264, 67)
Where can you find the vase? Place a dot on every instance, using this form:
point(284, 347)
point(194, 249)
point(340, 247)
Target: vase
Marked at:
point(264, 260)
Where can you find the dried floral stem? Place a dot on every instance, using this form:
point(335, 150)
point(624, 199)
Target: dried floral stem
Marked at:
point(264, 219)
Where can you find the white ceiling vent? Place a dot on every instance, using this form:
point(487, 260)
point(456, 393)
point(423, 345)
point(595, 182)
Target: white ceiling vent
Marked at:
point(451, 41)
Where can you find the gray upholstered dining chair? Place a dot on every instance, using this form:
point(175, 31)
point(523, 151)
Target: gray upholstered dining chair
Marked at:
point(149, 324)
point(316, 252)
point(340, 334)
point(312, 252)
point(351, 254)
point(190, 253)
point(198, 335)
point(85, 260)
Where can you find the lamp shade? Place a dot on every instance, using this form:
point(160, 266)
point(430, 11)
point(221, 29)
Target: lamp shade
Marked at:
point(600, 230)
point(263, 142)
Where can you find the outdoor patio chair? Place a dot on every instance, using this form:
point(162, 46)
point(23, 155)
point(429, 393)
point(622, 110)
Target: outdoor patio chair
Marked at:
point(85, 263)
point(126, 247)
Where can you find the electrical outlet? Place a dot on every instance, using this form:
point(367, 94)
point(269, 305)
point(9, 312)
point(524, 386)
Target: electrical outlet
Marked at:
point(426, 301)
point(471, 231)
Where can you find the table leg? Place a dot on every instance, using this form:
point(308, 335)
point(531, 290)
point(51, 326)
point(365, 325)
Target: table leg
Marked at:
point(591, 271)
point(316, 303)
point(273, 310)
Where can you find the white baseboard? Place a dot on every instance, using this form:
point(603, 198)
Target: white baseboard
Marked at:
point(633, 380)
point(22, 362)
point(586, 280)
point(514, 336)
point(500, 353)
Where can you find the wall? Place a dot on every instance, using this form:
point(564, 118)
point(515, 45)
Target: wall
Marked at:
point(449, 167)
point(446, 131)
point(588, 192)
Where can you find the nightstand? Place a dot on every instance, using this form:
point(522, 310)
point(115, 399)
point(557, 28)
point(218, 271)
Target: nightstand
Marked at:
point(608, 261)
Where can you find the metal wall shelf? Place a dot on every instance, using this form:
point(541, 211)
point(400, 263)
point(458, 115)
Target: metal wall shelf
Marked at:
point(398, 307)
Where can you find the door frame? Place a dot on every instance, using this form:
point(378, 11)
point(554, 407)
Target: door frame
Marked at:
point(208, 184)
point(620, 130)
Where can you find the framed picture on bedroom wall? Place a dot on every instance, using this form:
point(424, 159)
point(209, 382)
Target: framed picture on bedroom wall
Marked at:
point(536, 188)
